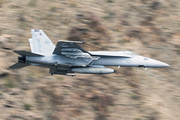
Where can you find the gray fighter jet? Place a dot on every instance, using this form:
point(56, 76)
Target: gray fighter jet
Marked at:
point(68, 58)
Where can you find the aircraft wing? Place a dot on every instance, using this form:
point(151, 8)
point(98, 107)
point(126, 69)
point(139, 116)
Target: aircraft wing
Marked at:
point(68, 47)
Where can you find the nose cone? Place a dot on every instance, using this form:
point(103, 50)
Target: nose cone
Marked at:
point(161, 64)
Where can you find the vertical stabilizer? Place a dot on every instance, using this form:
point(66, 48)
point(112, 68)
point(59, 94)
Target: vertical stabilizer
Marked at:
point(40, 43)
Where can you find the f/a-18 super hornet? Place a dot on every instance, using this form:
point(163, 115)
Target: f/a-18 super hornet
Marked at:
point(68, 58)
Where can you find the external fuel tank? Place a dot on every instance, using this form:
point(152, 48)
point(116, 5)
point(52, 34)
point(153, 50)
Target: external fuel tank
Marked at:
point(93, 70)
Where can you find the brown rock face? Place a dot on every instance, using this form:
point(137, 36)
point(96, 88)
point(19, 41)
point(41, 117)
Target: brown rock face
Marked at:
point(175, 40)
point(147, 27)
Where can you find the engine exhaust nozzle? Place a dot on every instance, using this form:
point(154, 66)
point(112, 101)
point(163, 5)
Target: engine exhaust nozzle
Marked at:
point(21, 59)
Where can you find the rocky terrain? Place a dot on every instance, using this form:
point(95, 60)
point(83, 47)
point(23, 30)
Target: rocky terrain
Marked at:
point(148, 27)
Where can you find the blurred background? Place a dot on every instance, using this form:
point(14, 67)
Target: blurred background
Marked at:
point(147, 27)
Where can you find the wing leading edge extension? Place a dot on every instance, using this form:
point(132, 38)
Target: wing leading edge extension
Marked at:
point(110, 54)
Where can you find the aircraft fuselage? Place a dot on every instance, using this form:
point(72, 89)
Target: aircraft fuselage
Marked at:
point(61, 60)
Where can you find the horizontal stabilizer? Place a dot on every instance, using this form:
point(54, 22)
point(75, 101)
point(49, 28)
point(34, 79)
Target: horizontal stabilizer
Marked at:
point(18, 65)
point(25, 53)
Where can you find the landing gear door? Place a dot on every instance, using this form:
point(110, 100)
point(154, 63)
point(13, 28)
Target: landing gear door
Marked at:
point(141, 62)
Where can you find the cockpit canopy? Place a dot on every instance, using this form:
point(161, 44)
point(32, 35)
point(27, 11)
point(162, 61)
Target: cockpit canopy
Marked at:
point(126, 52)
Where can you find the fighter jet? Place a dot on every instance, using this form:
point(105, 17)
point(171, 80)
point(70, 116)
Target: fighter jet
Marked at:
point(68, 58)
